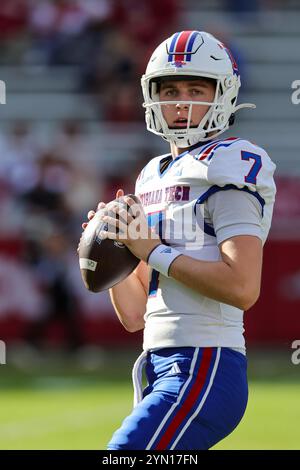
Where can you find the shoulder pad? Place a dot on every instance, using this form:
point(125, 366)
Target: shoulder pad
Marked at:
point(149, 168)
point(242, 164)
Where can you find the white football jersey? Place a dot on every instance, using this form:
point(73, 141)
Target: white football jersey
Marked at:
point(175, 195)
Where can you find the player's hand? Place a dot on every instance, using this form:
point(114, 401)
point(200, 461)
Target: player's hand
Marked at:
point(90, 216)
point(134, 230)
point(101, 206)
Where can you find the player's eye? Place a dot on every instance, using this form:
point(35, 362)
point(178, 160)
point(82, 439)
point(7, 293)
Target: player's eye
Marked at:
point(170, 92)
point(196, 92)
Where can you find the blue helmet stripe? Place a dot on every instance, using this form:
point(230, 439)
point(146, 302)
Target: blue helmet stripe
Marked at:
point(172, 47)
point(190, 45)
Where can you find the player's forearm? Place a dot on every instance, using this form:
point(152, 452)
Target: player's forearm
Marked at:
point(214, 279)
point(129, 301)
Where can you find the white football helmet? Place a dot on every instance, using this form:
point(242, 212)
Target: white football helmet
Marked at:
point(192, 54)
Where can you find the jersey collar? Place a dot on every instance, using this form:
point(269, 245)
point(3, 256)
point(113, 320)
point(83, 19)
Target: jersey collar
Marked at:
point(199, 146)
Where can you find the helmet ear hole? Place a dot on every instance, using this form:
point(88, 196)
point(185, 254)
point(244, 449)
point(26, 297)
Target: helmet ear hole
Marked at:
point(220, 118)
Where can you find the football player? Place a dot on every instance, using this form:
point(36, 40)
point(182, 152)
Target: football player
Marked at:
point(206, 209)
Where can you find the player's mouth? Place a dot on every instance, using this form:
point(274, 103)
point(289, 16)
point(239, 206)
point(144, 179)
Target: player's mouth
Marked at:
point(181, 123)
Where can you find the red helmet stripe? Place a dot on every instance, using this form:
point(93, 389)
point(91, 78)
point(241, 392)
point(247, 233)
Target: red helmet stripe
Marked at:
point(181, 45)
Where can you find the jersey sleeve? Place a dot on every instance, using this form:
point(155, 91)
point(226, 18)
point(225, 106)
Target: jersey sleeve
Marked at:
point(233, 214)
point(243, 166)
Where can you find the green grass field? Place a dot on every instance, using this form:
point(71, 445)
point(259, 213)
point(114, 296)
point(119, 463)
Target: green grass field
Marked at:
point(61, 409)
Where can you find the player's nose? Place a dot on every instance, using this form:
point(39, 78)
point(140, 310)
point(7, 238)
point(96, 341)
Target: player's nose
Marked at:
point(179, 106)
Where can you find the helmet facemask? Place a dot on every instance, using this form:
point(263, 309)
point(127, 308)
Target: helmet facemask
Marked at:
point(213, 123)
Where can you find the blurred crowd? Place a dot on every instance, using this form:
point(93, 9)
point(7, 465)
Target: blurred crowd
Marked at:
point(110, 40)
point(45, 193)
point(47, 185)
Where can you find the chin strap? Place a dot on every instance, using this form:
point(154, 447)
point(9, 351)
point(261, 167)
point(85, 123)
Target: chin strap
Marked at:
point(237, 108)
point(244, 105)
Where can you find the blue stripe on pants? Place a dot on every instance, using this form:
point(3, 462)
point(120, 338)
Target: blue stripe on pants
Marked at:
point(217, 409)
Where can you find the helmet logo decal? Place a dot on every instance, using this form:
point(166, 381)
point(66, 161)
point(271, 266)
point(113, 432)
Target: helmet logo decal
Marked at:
point(181, 48)
point(178, 63)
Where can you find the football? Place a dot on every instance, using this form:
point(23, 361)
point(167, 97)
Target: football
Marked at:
point(104, 263)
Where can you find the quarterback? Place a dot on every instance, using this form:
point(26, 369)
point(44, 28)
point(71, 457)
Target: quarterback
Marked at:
point(205, 212)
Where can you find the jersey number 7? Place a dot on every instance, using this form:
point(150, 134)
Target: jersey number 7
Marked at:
point(254, 170)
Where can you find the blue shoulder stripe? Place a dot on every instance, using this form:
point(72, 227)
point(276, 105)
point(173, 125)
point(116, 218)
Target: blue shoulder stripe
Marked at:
point(214, 189)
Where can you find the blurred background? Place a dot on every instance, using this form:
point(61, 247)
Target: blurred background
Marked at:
point(72, 132)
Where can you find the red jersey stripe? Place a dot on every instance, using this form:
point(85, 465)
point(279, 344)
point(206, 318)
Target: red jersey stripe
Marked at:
point(209, 149)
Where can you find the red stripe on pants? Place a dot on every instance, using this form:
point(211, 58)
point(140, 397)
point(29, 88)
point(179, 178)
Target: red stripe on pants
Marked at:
point(189, 401)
